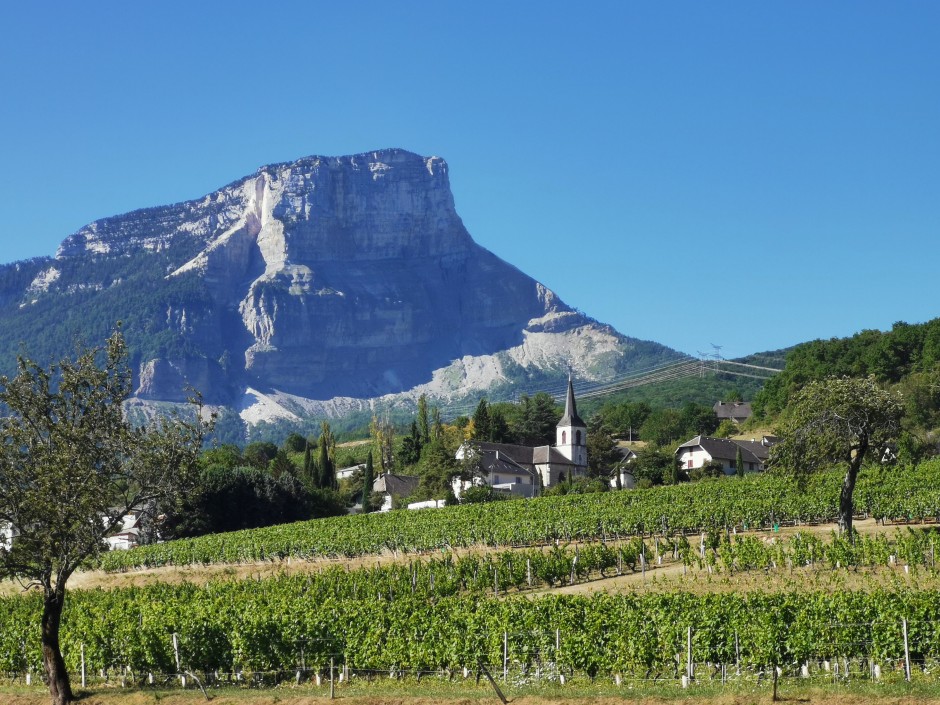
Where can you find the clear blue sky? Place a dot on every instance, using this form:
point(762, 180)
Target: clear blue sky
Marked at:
point(748, 174)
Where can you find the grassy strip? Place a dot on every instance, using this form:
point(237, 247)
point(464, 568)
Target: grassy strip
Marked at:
point(434, 690)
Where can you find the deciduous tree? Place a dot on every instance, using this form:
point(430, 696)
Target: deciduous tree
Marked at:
point(71, 467)
point(840, 420)
point(602, 452)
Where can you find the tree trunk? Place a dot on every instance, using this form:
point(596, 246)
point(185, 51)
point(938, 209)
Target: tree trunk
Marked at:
point(58, 678)
point(848, 488)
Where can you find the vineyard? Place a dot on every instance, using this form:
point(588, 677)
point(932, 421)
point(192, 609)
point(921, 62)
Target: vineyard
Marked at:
point(437, 610)
point(282, 626)
point(444, 614)
point(755, 501)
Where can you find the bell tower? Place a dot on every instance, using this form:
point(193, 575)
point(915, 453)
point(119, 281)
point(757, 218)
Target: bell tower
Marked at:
point(571, 432)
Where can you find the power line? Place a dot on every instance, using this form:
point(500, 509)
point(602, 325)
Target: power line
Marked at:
point(682, 368)
point(688, 367)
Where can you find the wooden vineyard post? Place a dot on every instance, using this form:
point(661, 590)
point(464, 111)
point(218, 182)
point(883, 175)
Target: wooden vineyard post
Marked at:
point(505, 656)
point(907, 652)
point(482, 669)
point(332, 687)
point(176, 656)
point(84, 673)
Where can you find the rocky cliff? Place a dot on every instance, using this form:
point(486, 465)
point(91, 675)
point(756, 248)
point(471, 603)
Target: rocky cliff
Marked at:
point(328, 277)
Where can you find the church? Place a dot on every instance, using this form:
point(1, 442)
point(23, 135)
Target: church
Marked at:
point(526, 470)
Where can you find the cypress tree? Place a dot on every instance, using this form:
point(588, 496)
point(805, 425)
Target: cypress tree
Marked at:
point(326, 458)
point(308, 475)
point(424, 422)
point(367, 485)
point(323, 465)
point(739, 463)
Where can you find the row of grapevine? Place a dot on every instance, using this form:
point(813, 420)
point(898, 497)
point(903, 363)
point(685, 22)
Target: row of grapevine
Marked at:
point(914, 548)
point(903, 493)
point(231, 627)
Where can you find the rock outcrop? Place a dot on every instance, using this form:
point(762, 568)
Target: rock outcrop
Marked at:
point(326, 277)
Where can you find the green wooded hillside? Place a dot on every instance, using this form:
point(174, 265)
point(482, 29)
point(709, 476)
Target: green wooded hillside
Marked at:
point(908, 356)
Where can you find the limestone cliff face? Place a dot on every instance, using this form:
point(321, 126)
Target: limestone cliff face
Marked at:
point(325, 277)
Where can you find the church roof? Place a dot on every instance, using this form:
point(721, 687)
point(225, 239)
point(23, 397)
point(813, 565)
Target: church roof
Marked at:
point(516, 453)
point(495, 462)
point(543, 455)
point(526, 455)
point(571, 417)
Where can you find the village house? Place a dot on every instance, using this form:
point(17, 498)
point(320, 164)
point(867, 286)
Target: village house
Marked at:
point(392, 486)
point(625, 470)
point(347, 473)
point(128, 533)
point(737, 411)
point(526, 470)
point(700, 450)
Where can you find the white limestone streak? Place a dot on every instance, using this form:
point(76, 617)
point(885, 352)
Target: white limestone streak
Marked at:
point(43, 281)
point(256, 407)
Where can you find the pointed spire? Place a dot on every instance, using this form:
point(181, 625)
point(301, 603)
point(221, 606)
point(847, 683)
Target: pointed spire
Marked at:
point(571, 417)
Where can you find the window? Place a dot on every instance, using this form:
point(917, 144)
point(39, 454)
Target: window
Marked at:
point(496, 479)
point(577, 438)
point(518, 480)
point(564, 437)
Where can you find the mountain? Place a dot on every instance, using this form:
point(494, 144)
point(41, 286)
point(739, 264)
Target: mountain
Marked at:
point(307, 288)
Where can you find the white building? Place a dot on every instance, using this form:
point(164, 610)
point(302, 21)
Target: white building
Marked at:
point(705, 449)
point(625, 470)
point(127, 534)
point(346, 473)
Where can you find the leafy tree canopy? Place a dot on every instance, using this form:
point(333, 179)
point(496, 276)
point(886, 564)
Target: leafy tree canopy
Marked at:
point(836, 421)
point(72, 466)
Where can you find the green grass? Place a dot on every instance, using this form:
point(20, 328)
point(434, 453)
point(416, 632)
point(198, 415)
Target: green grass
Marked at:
point(437, 689)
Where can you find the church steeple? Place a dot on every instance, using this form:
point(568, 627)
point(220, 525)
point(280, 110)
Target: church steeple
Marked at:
point(571, 417)
point(571, 432)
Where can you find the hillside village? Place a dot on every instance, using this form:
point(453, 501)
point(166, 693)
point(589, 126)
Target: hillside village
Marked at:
point(526, 471)
point(518, 471)
point(515, 471)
